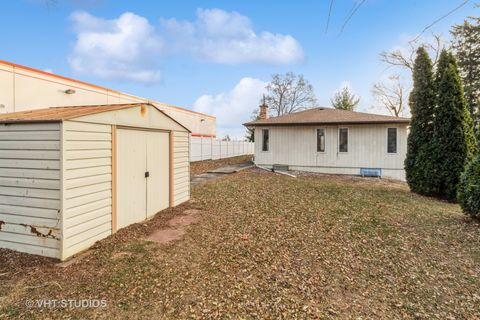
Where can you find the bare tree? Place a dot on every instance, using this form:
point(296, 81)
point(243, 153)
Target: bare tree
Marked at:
point(289, 93)
point(406, 59)
point(392, 95)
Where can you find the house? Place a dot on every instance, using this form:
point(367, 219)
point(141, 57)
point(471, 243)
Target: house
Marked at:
point(70, 176)
point(328, 140)
point(23, 88)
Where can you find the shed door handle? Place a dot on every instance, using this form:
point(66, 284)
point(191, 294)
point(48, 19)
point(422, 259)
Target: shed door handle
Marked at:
point(147, 174)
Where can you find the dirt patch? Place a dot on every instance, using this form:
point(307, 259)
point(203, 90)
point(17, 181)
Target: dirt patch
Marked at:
point(177, 227)
point(183, 221)
point(166, 235)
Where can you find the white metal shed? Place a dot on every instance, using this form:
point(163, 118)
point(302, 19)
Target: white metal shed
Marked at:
point(70, 176)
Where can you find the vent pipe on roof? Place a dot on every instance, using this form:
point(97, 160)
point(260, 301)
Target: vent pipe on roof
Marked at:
point(263, 110)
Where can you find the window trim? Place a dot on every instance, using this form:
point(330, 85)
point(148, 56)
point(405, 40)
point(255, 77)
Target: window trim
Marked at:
point(268, 143)
point(324, 141)
point(348, 139)
point(396, 140)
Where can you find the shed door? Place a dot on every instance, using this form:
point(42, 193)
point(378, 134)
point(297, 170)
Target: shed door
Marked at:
point(142, 175)
point(158, 168)
point(131, 186)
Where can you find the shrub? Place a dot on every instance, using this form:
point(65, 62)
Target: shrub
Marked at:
point(469, 188)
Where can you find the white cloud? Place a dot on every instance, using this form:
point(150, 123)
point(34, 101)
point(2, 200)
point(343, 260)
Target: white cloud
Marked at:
point(228, 38)
point(120, 49)
point(234, 107)
point(129, 47)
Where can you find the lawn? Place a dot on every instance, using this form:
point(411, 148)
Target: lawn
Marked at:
point(272, 246)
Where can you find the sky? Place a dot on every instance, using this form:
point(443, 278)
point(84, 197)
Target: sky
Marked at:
point(217, 56)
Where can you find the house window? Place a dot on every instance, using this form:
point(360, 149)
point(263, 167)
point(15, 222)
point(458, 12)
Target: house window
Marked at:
point(265, 134)
point(343, 140)
point(391, 140)
point(321, 140)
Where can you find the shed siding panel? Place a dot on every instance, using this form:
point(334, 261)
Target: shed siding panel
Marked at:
point(87, 185)
point(181, 168)
point(296, 146)
point(136, 117)
point(30, 188)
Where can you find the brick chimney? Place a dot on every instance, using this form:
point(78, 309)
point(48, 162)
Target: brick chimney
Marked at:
point(263, 110)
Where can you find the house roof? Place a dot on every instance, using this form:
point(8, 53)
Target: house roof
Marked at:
point(327, 116)
point(56, 114)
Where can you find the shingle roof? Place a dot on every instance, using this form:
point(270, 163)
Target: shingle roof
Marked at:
point(327, 116)
point(61, 113)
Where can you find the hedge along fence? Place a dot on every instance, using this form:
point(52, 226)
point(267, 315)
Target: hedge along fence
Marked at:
point(213, 149)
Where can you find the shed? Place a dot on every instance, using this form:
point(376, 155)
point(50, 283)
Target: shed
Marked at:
point(70, 176)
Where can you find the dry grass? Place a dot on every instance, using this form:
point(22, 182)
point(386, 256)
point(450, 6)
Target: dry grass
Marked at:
point(207, 165)
point(271, 246)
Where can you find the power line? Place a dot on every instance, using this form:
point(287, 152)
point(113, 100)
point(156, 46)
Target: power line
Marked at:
point(440, 19)
point(352, 13)
point(329, 14)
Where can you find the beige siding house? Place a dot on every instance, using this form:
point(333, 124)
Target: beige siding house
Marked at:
point(74, 175)
point(327, 140)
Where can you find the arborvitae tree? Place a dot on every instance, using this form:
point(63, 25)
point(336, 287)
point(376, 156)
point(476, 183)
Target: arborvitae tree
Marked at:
point(453, 140)
point(445, 59)
point(466, 44)
point(469, 188)
point(422, 102)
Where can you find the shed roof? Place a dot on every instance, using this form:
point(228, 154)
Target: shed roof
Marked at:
point(56, 114)
point(328, 116)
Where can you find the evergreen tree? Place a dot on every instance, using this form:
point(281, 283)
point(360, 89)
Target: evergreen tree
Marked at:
point(434, 186)
point(418, 163)
point(445, 59)
point(345, 100)
point(469, 188)
point(453, 140)
point(466, 43)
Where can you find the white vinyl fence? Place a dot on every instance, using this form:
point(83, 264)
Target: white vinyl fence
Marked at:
point(213, 149)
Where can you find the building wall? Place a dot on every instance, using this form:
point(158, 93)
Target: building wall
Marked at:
point(30, 212)
point(87, 185)
point(23, 88)
point(367, 148)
